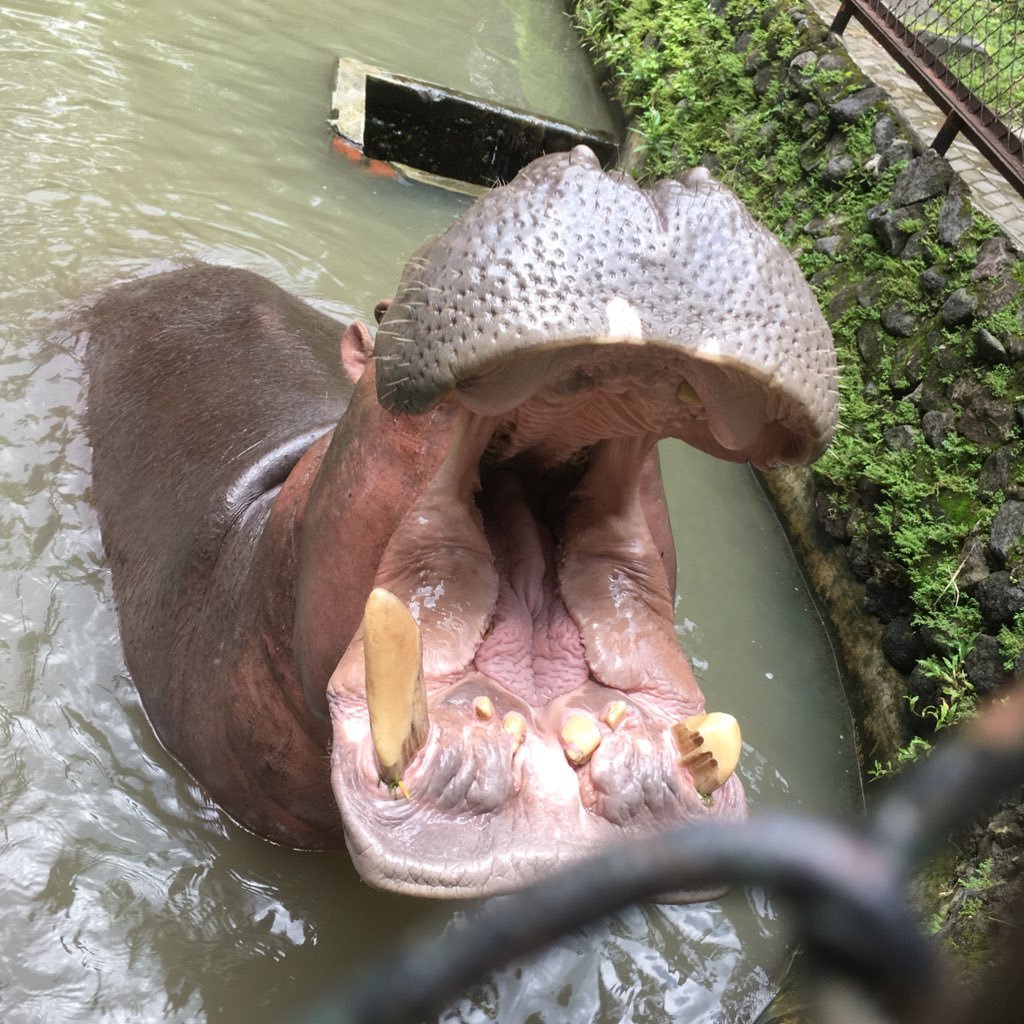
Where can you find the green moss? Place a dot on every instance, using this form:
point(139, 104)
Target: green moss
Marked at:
point(962, 914)
point(1011, 642)
point(694, 98)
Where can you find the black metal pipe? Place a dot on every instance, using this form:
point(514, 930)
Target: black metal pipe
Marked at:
point(846, 895)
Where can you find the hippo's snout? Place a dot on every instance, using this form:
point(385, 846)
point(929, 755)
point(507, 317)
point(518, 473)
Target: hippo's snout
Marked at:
point(568, 257)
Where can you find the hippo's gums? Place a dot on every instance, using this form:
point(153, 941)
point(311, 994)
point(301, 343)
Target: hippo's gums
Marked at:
point(439, 576)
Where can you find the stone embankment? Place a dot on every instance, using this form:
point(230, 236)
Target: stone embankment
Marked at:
point(912, 525)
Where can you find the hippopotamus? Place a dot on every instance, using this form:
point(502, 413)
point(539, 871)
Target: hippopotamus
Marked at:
point(413, 593)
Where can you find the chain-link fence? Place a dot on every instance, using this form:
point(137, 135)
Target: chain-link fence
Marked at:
point(968, 56)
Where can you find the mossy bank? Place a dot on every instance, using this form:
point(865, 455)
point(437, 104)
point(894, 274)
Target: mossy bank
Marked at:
point(912, 525)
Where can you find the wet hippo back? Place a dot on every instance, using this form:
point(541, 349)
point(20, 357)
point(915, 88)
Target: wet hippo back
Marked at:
point(205, 387)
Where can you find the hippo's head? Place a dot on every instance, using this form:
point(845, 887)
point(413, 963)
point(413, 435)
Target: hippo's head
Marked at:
point(516, 695)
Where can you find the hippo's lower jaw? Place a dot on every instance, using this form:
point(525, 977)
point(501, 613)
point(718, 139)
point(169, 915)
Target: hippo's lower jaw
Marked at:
point(553, 711)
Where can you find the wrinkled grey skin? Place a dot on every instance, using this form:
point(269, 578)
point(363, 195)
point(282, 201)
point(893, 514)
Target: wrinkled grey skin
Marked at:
point(567, 253)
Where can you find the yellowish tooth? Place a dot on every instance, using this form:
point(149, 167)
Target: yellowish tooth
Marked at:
point(395, 692)
point(484, 707)
point(515, 725)
point(687, 395)
point(580, 738)
point(710, 747)
point(614, 713)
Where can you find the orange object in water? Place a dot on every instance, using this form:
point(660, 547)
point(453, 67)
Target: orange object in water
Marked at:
point(378, 168)
point(381, 169)
point(346, 148)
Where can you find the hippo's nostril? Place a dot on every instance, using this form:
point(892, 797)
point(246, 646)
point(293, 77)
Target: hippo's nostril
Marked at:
point(687, 394)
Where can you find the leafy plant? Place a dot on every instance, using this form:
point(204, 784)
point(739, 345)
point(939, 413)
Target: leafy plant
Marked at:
point(1011, 642)
point(700, 87)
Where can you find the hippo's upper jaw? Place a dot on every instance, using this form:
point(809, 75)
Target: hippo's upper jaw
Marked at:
point(518, 661)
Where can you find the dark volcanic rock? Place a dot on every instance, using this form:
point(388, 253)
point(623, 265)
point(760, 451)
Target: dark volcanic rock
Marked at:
point(959, 308)
point(837, 168)
point(859, 556)
point(854, 107)
point(833, 521)
point(901, 644)
point(817, 227)
point(993, 295)
point(901, 438)
point(993, 274)
point(973, 563)
point(995, 258)
point(906, 368)
point(928, 693)
point(995, 474)
point(916, 247)
point(999, 598)
point(899, 152)
point(986, 420)
point(927, 176)
point(984, 664)
point(886, 223)
point(1007, 531)
point(898, 320)
point(764, 79)
point(989, 348)
point(933, 281)
point(884, 133)
point(869, 289)
point(956, 215)
point(936, 425)
point(883, 601)
point(869, 343)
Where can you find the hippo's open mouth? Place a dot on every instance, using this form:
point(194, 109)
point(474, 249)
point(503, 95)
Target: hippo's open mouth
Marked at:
point(516, 695)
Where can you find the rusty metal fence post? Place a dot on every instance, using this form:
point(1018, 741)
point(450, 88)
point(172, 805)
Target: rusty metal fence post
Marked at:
point(968, 58)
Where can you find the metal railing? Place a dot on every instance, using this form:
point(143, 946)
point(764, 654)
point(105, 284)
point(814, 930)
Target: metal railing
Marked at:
point(964, 56)
point(845, 883)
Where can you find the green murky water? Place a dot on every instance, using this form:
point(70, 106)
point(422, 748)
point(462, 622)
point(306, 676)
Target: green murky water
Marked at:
point(140, 134)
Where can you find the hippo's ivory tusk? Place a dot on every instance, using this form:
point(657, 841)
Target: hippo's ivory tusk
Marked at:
point(614, 713)
point(395, 693)
point(515, 725)
point(580, 738)
point(709, 746)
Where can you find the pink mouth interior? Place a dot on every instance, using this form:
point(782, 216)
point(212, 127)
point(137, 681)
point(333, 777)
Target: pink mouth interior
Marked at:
point(537, 584)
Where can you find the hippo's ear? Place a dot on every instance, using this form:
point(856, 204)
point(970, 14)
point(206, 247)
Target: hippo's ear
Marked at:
point(380, 309)
point(356, 349)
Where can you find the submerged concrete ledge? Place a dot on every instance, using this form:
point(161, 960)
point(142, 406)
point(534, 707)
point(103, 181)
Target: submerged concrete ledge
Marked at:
point(444, 133)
